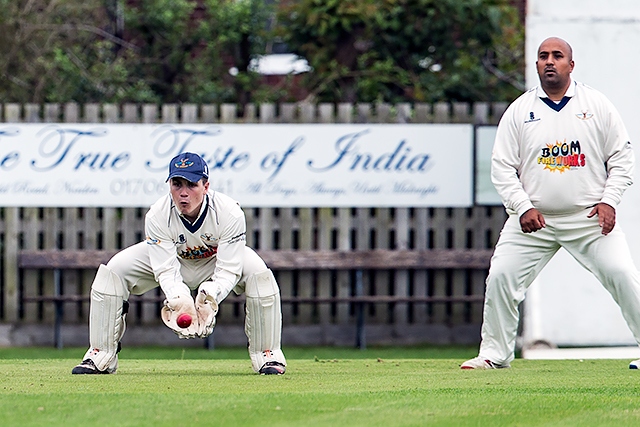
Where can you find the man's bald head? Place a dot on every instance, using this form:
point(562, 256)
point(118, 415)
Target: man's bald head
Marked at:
point(554, 66)
point(568, 48)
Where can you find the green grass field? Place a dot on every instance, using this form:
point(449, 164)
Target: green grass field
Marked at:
point(322, 387)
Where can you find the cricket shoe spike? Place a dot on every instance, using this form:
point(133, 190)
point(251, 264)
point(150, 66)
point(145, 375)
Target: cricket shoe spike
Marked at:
point(482, 363)
point(88, 367)
point(272, 368)
point(635, 364)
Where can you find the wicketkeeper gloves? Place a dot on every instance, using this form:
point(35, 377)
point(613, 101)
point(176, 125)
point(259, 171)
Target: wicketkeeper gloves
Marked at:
point(209, 295)
point(174, 307)
point(207, 308)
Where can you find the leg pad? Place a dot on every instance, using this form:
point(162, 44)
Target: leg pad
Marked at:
point(263, 321)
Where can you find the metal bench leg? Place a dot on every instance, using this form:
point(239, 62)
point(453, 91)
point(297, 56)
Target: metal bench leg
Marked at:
point(59, 308)
point(209, 342)
point(360, 336)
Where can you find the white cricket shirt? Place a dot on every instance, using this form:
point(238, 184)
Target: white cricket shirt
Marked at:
point(218, 235)
point(561, 157)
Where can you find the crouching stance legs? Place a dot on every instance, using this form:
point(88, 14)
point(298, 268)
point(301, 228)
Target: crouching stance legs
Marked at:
point(106, 323)
point(263, 324)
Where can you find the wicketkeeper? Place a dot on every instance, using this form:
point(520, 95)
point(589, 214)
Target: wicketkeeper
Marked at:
point(195, 239)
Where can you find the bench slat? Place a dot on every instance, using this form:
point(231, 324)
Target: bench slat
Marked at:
point(374, 299)
point(377, 259)
point(69, 259)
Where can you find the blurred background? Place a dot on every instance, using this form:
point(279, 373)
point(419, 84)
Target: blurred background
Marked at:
point(247, 51)
point(261, 70)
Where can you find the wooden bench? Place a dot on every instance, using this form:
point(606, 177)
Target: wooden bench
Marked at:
point(358, 261)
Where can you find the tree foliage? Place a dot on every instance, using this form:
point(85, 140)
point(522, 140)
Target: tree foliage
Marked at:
point(168, 51)
point(171, 51)
point(407, 50)
point(45, 46)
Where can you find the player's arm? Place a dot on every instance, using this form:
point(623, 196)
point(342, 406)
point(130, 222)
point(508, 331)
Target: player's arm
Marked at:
point(619, 158)
point(163, 259)
point(620, 162)
point(505, 162)
point(230, 254)
point(166, 270)
point(228, 271)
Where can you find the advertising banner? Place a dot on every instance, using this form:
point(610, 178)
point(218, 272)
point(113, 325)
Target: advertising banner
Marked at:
point(486, 193)
point(260, 165)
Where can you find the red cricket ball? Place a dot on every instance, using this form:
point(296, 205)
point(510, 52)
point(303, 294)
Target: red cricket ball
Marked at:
point(184, 320)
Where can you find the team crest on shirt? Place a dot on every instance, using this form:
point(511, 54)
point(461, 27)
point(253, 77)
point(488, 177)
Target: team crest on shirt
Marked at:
point(584, 115)
point(208, 237)
point(562, 156)
point(532, 118)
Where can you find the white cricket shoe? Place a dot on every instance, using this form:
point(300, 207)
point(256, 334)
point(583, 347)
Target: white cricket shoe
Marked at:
point(88, 367)
point(482, 363)
point(635, 364)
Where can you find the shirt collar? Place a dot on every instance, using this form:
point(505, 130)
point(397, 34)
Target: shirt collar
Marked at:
point(570, 93)
point(205, 202)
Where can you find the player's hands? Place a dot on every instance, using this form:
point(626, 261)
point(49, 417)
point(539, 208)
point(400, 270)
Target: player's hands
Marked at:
point(174, 307)
point(606, 216)
point(207, 308)
point(531, 221)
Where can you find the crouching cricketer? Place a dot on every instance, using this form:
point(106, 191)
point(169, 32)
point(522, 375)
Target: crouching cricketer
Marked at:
point(195, 239)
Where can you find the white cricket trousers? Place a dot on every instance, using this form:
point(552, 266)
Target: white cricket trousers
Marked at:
point(133, 266)
point(519, 257)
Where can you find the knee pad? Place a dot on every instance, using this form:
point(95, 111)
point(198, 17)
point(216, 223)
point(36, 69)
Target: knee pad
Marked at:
point(108, 283)
point(263, 321)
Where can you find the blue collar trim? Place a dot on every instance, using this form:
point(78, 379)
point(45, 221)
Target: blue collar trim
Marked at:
point(196, 225)
point(559, 105)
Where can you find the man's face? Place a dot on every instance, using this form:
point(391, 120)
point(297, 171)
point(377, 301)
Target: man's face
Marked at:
point(188, 196)
point(554, 64)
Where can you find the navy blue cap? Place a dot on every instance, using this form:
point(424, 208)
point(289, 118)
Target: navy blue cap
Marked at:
point(189, 166)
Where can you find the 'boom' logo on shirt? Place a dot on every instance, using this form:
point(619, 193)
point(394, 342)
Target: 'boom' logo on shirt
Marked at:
point(562, 156)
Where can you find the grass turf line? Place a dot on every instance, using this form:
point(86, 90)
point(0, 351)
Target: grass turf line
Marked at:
point(322, 387)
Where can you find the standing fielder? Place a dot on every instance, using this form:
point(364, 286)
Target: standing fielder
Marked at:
point(195, 239)
point(561, 162)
